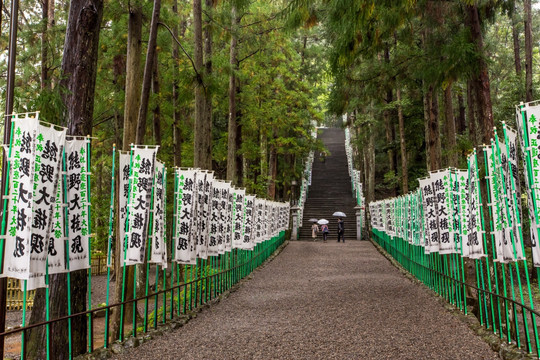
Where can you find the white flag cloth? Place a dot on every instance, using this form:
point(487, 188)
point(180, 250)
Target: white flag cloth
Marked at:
point(502, 233)
point(48, 162)
point(247, 226)
point(159, 246)
point(19, 220)
point(78, 203)
point(473, 240)
point(124, 161)
point(184, 239)
point(141, 180)
point(430, 215)
point(238, 213)
point(527, 123)
point(57, 239)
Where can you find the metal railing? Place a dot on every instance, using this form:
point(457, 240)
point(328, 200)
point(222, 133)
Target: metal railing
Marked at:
point(497, 307)
point(202, 283)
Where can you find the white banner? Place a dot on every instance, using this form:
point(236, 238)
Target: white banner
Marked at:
point(48, 161)
point(528, 118)
point(78, 202)
point(238, 213)
point(474, 236)
point(138, 214)
point(57, 239)
point(247, 225)
point(430, 215)
point(184, 239)
point(124, 160)
point(159, 245)
point(19, 219)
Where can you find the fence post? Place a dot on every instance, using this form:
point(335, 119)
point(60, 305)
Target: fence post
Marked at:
point(294, 214)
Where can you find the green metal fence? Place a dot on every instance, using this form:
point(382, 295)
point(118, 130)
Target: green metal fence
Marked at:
point(172, 298)
point(495, 291)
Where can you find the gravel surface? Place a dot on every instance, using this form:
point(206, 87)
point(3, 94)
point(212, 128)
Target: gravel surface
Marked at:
point(322, 301)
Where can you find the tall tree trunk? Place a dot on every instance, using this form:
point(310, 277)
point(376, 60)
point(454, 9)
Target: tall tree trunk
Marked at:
point(471, 113)
point(157, 110)
point(44, 42)
point(199, 155)
point(371, 165)
point(79, 65)
point(461, 125)
point(232, 126)
point(208, 108)
point(515, 38)
point(147, 77)
point(481, 78)
point(403, 148)
point(263, 152)
point(528, 51)
point(433, 142)
point(133, 76)
point(272, 167)
point(450, 127)
point(389, 126)
point(177, 135)
point(131, 107)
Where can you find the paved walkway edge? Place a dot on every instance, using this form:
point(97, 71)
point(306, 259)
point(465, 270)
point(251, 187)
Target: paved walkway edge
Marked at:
point(505, 351)
point(176, 323)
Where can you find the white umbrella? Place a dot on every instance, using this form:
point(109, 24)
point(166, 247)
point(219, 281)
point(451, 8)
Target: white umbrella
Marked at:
point(323, 222)
point(339, 214)
point(313, 220)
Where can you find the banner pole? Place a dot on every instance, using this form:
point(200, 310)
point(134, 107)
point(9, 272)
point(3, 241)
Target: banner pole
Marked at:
point(89, 217)
point(109, 248)
point(520, 233)
point(148, 249)
point(174, 264)
point(489, 180)
point(497, 158)
point(530, 182)
point(121, 338)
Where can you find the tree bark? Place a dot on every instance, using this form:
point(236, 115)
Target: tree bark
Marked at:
point(481, 78)
point(461, 125)
point(450, 127)
point(79, 64)
point(147, 77)
point(200, 152)
point(131, 107)
point(272, 167)
point(403, 148)
point(133, 76)
point(370, 170)
point(515, 38)
point(433, 142)
point(471, 113)
point(232, 125)
point(157, 110)
point(177, 135)
point(208, 107)
point(528, 51)
point(44, 42)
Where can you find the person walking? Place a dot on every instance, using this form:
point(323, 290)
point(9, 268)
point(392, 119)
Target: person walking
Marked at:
point(314, 231)
point(340, 230)
point(324, 229)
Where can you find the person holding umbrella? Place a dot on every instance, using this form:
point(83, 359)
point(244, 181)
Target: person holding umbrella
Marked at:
point(324, 228)
point(341, 225)
point(314, 231)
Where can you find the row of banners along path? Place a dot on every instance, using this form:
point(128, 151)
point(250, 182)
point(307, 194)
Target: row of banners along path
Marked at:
point(322, 301)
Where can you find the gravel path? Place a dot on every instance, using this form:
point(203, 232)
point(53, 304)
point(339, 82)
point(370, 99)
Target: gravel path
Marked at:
point(322, 301)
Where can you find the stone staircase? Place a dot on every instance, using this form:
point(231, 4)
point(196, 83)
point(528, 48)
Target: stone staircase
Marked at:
point(330, 189)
